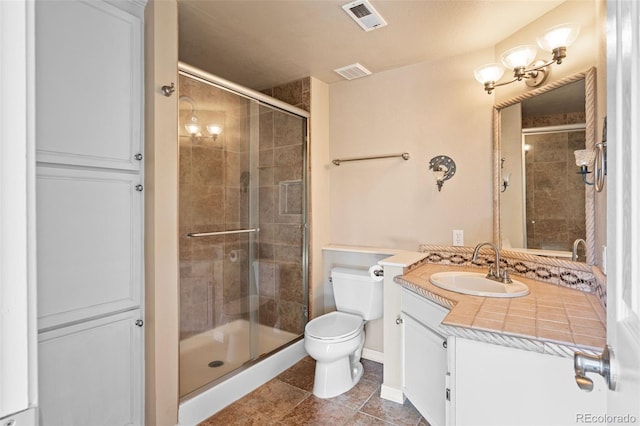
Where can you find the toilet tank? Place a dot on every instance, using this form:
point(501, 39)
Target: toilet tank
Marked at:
point(356, 292)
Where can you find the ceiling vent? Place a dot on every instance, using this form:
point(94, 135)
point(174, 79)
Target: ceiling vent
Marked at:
point(353, 71)
point(365, 15)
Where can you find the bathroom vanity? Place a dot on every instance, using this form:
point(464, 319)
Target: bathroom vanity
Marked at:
point(471, 360)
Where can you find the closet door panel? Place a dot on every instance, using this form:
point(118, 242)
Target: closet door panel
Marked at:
point(91, 373)
point(89, 86)
point(89, 251)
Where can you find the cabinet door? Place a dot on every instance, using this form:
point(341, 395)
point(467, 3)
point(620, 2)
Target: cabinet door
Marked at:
point(425, 367)
point(89, 252)
point(495, 385)
point(89, 83)
point(91, 373)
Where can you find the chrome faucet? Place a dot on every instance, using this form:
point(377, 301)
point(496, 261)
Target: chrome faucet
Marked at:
point(576, 243)
point(494, 270)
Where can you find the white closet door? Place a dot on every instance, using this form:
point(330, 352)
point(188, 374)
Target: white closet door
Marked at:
point(89, 251)
point(91, 373)
point(89, 91)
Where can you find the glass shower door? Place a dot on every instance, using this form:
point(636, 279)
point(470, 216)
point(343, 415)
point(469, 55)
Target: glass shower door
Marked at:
point(242, 222)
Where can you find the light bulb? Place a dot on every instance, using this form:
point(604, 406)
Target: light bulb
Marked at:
point(192, 127)
point(214, 129)
point(584, 157)
point(489, 72)
point(519, 57)
point(559, 36)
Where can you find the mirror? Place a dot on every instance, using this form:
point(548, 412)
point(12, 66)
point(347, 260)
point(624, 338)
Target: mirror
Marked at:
point(541, 205)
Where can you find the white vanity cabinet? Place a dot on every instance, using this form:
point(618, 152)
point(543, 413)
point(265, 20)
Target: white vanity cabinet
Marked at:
point(496, 385)
point(425, 356)
point(462, 382)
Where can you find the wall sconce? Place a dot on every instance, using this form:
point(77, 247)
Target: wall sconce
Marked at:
point(193, 127)
point(584, 158)
point(443, 169)
point(555, 40)
point(597, 156)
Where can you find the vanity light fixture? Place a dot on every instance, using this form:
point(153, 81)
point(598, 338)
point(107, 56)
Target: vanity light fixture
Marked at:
point(443, 169)
point(555, 40)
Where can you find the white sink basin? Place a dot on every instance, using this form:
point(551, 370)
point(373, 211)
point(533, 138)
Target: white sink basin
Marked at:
point(476, 284)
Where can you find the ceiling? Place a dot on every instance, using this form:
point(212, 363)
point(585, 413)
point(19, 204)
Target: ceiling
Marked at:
point(265, 43)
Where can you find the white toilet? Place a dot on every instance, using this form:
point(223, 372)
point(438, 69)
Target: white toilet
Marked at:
point(335, 340)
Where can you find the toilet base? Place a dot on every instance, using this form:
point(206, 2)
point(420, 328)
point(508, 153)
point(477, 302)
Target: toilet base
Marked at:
point(336, 378)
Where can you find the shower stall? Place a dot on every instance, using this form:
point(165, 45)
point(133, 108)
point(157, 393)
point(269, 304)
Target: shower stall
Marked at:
point(243, 228)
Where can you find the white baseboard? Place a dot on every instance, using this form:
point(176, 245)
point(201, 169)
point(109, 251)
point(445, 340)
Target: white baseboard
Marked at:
point(392, 394)
point(373, 355)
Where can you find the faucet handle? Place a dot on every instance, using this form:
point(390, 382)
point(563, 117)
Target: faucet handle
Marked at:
point(505, 276)
point(491, 273)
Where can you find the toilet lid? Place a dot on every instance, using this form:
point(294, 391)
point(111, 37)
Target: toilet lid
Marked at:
point(334, 325)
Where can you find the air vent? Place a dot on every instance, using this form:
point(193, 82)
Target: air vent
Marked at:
point(365, 15)
point(353, 71)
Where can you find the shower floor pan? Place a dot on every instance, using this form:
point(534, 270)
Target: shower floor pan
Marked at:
point(208, 356)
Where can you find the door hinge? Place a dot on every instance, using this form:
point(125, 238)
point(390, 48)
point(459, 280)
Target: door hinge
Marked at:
point(447, 394)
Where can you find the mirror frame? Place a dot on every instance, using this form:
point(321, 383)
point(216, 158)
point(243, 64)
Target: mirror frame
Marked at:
point(589, 77)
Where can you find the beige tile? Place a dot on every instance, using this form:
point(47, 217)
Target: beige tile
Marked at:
point(525, 313)
point(521, 329)
point(491, 316)
point(316, 411)
point(301, 374)
point(590, 341)
point(392, 412)
point(489, 325)
point(581, 312)
point(555, 326)
point(585, 322)
point(555, 336)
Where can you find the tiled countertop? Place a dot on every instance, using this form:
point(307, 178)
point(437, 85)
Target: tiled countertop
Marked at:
point(550, 319)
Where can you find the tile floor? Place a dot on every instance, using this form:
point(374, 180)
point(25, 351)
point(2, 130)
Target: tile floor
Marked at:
point(288, 400)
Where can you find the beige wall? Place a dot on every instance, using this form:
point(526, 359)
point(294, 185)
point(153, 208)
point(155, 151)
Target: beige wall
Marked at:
point(428, 109)
point(161, 216)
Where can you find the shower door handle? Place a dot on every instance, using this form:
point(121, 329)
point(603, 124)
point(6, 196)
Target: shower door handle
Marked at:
point(235, 231)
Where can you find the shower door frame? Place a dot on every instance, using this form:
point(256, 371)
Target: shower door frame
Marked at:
point(278, 105)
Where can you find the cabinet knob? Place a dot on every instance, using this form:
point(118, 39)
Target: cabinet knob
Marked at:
point(138, 157)
point(399, 320)
point(139, 323)
point(139, 188)
point(444, 344)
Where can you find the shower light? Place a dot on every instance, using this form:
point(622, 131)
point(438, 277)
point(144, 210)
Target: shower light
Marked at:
point(214, 130)
point(192, 127)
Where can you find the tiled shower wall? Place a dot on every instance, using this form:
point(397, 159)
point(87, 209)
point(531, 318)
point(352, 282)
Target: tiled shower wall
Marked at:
point(215, 272)
point(281, 197)
point(555, 193)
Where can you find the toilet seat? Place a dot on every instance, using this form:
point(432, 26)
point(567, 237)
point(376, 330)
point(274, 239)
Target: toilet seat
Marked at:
point(334, 326)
